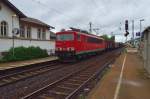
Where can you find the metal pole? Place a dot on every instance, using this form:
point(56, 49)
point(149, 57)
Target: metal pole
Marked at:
point(90, 27)
point(140, 27)
point(140, 33)
point(133, 31)
point(13, 37)
point(126, 39)
point(96, 30)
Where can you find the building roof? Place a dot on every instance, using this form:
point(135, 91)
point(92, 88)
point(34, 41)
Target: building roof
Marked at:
point(36, 21)
point(22, 16)
point(12, 7)
point(53, 34)
point(146, 30)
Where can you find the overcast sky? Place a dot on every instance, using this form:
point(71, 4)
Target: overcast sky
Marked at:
point(108, 15)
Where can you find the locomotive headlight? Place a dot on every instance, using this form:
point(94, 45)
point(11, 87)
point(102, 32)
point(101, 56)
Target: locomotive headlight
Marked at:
point(72, 49)
point(60, 49)
point(57, 49)
point(68, 49)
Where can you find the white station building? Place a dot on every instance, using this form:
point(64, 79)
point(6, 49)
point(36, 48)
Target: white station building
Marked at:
point(16, 29)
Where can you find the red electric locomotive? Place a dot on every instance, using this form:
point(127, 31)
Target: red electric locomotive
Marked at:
point(76, 43)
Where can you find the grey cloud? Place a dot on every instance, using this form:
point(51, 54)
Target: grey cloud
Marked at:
point(105, 14)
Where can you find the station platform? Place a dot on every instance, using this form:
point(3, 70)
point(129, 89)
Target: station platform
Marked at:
point(126, 79)
point(9, 65)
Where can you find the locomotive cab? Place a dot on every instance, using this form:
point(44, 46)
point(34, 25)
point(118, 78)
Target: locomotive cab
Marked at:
point(65, 44)
point(72, 45)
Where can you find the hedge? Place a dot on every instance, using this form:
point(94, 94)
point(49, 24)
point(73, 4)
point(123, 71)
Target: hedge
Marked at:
point(24, 53)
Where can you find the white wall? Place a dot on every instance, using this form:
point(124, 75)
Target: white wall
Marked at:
point(6, 15)
point(6, 44)
point(146, 52)
point(34, 33)
point(47, 34)
point(148, 49)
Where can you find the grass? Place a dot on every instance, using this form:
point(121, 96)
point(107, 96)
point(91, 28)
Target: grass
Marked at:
point(24, 53)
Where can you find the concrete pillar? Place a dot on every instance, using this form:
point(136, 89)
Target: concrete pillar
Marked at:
point(146, 55)
point(148, 51)
point(145, 51)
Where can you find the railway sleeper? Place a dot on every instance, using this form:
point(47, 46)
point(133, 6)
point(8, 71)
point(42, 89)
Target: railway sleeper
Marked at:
point(75, 81)
point(84, 76)
point(52, 96)
point(21, 76)
point(27, 74)
point(69, 85)
point(6, 80)
point(84, 79)
point(74, 84)
point(2, 83)
point(65, 87)
point(14, 78)
point(78, 80)
point(59, 92)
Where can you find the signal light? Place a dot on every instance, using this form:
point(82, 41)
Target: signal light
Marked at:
point(60, 49)
point(126, 25)
point(126, 34)
point(72, 48)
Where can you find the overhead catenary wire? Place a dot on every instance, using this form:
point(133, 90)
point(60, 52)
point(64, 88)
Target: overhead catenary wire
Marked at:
point(50, 10)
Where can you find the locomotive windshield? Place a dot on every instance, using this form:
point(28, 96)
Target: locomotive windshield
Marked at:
point(65, 37)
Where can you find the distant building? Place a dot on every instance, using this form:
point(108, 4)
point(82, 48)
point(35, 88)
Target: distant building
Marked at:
point(145, 45)
point(134, 42)
point(27, 31)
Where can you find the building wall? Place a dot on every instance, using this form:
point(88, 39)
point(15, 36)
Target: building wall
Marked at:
point(6, 44)
point(146, 51)
point(34, 32)
point(6, 15)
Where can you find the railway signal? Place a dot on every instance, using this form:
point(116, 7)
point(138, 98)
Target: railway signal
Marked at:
point(126, 25)
point(126, 28)
point(126, 34)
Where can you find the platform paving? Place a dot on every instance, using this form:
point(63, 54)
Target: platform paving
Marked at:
point(133, 84)
point(9, 65)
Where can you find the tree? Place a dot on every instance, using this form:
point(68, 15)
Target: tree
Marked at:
point(106, 37)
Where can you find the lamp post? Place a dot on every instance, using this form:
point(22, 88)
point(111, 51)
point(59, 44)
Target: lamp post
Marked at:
point(141, 29)
point(141, 25)
point(140, 33)
point(13, 35)
point(90, 27)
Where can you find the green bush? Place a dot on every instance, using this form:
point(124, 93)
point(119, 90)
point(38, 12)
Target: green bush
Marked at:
point(23, 53)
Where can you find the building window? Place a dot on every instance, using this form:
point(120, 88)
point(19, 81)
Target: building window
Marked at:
point(4, 29)
point(44, 34)
point(28, 32)
point(22, 31)
point(39, 33)
point(78, 37)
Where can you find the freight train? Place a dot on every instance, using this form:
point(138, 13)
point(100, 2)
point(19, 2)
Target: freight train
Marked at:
point(76, 44)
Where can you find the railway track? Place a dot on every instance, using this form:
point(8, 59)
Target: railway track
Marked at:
point(70, 85)
point(24, 74)
point(30, 72)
